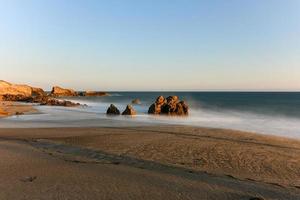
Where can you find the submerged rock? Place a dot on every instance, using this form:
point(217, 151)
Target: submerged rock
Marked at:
point(113, 110)
point(136, 101)
point(129, 111)
point(95, 94)
point(169, 106)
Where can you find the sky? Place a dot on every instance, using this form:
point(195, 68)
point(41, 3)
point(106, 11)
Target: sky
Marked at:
point(117, 45)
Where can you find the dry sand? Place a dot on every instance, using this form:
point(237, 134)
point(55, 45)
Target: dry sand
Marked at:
point(167, 162)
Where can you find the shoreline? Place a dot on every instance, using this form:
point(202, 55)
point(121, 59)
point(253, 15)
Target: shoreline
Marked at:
point(10, 108)
point(94, 116)
point(230, 155)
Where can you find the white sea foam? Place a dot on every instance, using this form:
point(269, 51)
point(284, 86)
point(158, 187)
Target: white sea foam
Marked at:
point(94, 115)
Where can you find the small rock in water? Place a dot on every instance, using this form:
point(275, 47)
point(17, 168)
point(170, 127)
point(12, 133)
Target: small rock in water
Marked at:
point(129, 111)
point(112, 110)
point(136, 101)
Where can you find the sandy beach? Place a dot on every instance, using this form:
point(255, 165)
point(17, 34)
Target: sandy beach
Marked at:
point(152, 162)
point(149, 100)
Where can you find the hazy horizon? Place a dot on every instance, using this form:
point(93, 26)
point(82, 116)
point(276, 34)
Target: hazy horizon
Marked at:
point(151, 45)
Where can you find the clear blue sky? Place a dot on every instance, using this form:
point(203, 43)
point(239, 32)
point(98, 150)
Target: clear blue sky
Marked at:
point(151, 45)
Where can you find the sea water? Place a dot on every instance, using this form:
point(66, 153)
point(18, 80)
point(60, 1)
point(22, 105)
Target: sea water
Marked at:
point(276, 113)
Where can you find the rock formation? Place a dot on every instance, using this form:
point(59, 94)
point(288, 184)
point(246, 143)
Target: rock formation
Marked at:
point(25, 93)
point(18, 90)
point(56, 102)
point(129, 111)
point(62, 92)
point(112, 110)
point(37, 92)
point(169, 106)
point(156, 107)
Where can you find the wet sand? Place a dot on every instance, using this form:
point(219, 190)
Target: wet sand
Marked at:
point(165, 162)
point(8, 108)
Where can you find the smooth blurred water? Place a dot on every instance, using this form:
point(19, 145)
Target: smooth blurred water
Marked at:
point(276, 113)
point(270, 103)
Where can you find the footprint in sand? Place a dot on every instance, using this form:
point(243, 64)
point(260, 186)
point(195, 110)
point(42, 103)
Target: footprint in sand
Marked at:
point(28, 179)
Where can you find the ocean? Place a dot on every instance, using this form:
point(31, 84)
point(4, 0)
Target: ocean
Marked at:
point(276, 113)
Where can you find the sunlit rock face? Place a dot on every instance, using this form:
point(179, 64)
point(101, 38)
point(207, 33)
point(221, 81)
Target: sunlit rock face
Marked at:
point(25, 91)
point(169, 106)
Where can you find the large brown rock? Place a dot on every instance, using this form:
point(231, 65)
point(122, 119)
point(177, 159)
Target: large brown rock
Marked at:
point(14, 89)
point(113, 110)
point(9, 90)
point(182, 108)
point(169, 106)
point(156, 107)
point(129, 111)
point(62, 92)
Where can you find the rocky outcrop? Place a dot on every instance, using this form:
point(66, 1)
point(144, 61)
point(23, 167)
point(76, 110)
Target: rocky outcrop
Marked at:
point(8, 90)
point(169, 106)
point(15, 89)
point(42, 100)
point(129, 111)
point(136, 101)
point(10, 97)
point(25, 93)
point(56, 102)
point(113, 110)
point(62, 92)
point(37, 92)
point(94, 94)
